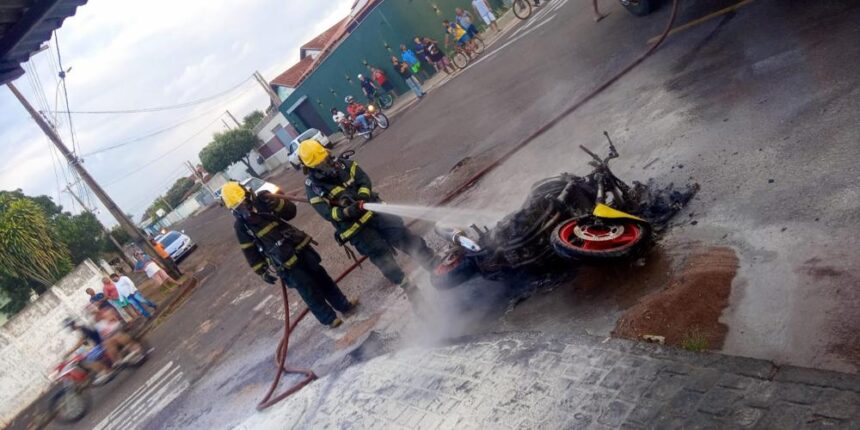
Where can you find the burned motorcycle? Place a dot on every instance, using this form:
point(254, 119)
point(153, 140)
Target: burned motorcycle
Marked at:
point(587, 219)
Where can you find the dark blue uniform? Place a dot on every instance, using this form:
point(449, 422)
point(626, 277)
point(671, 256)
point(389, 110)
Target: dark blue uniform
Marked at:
point(372, 234)
point(289, 251)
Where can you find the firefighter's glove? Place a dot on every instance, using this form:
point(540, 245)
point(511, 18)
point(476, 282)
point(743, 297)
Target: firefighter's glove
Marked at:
point(264, 197)
point(353, 211)
point(269, 278)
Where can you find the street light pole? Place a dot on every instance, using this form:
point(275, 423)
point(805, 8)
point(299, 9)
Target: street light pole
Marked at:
point(111, 206)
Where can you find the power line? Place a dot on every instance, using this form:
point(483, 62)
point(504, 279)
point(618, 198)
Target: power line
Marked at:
point(159, 131)
point(162, 108)
point(174, 149)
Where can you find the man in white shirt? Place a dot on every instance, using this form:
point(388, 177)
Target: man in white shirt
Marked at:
point(126, 289)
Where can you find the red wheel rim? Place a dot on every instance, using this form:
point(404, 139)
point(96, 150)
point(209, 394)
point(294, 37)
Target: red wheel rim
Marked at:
point(600, 238)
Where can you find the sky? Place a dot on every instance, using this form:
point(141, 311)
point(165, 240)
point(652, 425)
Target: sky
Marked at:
point(128, 54)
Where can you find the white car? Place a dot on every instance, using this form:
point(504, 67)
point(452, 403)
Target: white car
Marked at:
point(257, 185)
point(176, 244)
point(311, 133)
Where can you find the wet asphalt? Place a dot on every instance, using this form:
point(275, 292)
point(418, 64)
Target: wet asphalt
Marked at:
point(758, 107)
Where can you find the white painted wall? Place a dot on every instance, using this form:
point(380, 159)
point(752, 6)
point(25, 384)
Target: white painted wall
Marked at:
point(34, 341)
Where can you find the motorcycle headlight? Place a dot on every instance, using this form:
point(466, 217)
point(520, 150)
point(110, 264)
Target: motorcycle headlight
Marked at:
point(371, 108)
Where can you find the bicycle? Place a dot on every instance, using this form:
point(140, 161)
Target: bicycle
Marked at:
point(382, 100)
point(463, 54)
point(522, 8)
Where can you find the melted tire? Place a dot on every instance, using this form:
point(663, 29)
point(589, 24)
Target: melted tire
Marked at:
point(563, 246)
point(453, 277)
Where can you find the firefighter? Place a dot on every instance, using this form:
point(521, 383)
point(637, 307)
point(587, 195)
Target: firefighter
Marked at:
point(338, 189)
point(272, 245)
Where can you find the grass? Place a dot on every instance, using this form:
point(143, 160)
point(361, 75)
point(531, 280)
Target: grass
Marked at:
point(694, 340)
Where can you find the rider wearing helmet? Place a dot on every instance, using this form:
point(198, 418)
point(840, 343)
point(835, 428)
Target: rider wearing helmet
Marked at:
point(356, 112)
point(337, 188)
point(268, 241)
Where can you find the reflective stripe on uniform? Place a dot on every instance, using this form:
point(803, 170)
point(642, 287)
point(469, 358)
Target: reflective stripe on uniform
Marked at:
point(352, 170)
point(335, 191)
point(280, 205)
point(354, 228)
point(334, 213)
point(258, 266)
point(364, 191)
point(267, 229)
point(246, 245)
point(316, 200)
point(291, 262)
point(303, 244)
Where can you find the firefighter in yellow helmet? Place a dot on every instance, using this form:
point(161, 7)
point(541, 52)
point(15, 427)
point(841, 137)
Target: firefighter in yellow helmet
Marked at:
point(337, 188)
point(274, 247)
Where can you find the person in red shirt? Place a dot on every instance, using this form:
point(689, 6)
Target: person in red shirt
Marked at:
point(356, 112)
point(383, 82)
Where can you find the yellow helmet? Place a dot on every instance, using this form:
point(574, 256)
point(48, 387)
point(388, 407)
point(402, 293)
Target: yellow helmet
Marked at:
point(312, 153)
point(233, 194)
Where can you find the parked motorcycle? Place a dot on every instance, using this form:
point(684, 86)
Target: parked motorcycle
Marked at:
point(70, 403)
point(375, 118)
point(586, 219)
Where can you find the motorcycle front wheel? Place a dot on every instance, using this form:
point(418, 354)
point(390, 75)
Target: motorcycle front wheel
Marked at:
point(591, 239)
point(447, 276)
point(69, 405)
point(381, 120)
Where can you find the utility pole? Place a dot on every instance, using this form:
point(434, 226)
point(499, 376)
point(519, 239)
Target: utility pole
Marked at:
point(276, 101)
point(233, 118)
point(226, 125)
point(167, 203)
point(108, 203)
point(107, 232)
point(200, 178)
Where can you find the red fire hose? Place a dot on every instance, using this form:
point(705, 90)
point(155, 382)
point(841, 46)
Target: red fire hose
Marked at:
point(283, 346)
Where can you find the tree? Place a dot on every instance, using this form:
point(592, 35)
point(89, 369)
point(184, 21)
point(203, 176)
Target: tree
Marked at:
point(252, 119)
point(82, 234)
point(227, 148)
point(177, 192)
point(29, 246)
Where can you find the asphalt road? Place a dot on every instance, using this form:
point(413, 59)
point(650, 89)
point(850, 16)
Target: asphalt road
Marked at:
point(759, 107)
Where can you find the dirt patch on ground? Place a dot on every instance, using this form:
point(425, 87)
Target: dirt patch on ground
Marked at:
point(686, 313)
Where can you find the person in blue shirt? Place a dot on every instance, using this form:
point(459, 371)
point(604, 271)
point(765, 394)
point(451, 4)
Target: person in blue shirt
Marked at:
point(367, 87)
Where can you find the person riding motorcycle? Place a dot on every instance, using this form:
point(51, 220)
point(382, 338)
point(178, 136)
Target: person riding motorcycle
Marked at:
point(95, 359)
point(268, 241)
point(356, 111)
point(337, 189)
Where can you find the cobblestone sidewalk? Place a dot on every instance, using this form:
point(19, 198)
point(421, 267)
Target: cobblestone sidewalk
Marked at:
point(528, 381)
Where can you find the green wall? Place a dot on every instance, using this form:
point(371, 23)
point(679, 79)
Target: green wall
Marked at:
point(374, 41)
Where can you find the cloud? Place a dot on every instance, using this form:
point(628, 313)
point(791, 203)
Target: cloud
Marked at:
point(127, 54)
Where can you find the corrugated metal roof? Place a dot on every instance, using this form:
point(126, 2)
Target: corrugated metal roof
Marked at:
point(24, 26)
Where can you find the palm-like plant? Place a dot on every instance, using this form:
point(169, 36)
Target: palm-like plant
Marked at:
point(29, 249)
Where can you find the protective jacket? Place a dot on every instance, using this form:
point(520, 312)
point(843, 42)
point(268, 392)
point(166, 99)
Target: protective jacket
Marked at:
point(266, 237)
point(326, 193)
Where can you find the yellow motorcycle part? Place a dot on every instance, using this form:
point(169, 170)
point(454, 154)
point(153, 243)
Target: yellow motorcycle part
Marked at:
point(603, 211)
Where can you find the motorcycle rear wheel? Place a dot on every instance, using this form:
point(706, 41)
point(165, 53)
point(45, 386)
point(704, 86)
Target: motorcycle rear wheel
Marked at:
point(385, 101)
point(522, 8)
point(591, 239)
point(69, 405)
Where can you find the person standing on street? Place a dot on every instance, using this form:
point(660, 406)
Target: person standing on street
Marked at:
point(116, 300)
point(483, 9)
point(421, 53)
point(337, 189)
point(409, 57)
point(155, 272)
point(381, 79)
point(437, 57)
point(367, 87)
point(274, 248)
point(126, 288)
point(405, 72)
point(464, 18)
